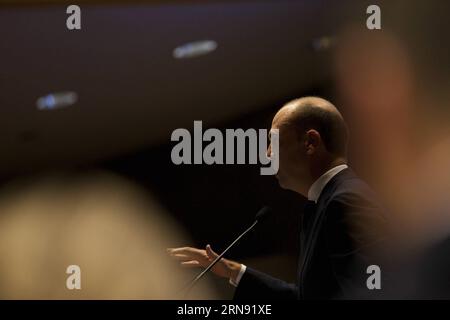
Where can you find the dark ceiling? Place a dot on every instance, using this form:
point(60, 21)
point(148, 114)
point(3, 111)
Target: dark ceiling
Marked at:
point(132, 92)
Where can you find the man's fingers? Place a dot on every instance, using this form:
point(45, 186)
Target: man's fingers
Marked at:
point(184, 250)
point(190, 264)
point(181, 257)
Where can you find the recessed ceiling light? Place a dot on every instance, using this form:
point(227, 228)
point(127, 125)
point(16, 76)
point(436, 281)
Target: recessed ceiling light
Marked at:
point(57, 100)
point(194, 49)
point(323, 43)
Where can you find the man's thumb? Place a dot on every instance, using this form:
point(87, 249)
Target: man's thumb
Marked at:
point(210, 252)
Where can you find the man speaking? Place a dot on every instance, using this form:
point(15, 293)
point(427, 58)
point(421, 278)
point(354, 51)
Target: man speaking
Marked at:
point(341, 223)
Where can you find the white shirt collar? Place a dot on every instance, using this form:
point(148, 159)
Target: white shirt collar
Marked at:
point(316, 188)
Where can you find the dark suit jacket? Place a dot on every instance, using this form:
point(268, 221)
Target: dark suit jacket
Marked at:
point(338, 237)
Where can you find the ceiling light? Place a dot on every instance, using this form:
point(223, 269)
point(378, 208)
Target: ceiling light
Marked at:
point(57, 100)
point(323, 43)
point(194, 49)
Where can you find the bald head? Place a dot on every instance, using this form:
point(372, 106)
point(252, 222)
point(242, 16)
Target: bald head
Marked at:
point(319, 114)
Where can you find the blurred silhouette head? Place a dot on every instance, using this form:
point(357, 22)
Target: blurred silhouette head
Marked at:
point(312, 138)
point(107, 226)
point(393, 86)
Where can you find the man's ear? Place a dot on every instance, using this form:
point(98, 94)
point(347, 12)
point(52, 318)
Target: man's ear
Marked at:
point(312, 141)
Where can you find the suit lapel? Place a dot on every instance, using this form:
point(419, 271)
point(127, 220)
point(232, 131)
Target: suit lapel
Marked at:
point(318, 216)
point(311, 238)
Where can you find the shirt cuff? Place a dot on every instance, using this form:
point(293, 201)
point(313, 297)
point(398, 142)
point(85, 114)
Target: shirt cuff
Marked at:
point(239, 276)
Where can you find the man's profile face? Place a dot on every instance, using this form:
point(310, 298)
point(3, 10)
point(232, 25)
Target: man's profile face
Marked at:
point(291, 154)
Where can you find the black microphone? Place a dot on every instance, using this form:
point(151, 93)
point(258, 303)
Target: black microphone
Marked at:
point(260, 216)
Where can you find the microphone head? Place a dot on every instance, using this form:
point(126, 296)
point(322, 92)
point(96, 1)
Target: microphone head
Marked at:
point(263, 213)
